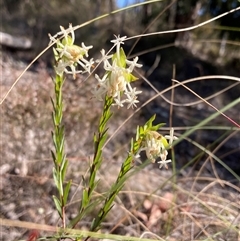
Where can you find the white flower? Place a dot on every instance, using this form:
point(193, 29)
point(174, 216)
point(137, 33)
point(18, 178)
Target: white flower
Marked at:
point(164, 160)
point(116, 82)
point(86, 48)
point(152, 149)
point(63, 66)
point(64, 33)
point(117, 42)
point(86, 64)
point(132, 96)
point(171, 137)
point(164, 163)
point(157, 150)
point(101, 88)
point(155, 147)
point(104, 56)
point(68, 55)
point(133, 64)
point(119, 102)
point(135, 157)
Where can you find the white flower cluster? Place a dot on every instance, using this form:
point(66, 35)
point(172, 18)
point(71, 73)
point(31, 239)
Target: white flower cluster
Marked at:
point(69, 55)
point(116, 81)
point(156, 146)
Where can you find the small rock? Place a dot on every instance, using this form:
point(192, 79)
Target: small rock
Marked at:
point(4, 168)
point(166, 202)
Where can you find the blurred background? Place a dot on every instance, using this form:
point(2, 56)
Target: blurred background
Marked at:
point(26, 124)
point(213, 49)
point(215, 43)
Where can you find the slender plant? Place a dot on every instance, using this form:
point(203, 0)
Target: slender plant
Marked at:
point(67, 55)
point(114, 89)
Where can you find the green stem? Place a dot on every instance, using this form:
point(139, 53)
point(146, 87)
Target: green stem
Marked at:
point(59, 156)
point(116, 187)
point(124, 173)
point(99, 140)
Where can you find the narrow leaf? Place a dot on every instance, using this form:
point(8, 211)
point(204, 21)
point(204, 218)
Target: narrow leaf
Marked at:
point(66, 192)
point(53, 156)
point(64, 168)
point(58, 205)
point(85, 199)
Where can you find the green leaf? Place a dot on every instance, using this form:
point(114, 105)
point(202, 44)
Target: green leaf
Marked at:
point(123, 58)
point(54, 119)
point(137, 133)
point(121, 62)
point(98, 157)
point(85, 199)
point(156, 127)
point(66, 192)
point(67, 41)
point(96, 223)
point(60, 187)
point(95, 138)
point(61, 146)
point(53, 104)
point(58, 205)
point(55, 53)
point(90, 190)
point(84, 211)
point(64, 167)
point(133, 78)
point(132, 145)
point(102, 139)
point(55, 177)
point(150, 121)
point(53, 156)
point(129, 77)
point(54, 140)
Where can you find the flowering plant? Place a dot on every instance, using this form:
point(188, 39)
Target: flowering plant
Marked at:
point(114, 88)
point(154, 144)
point(67, 54)
point(116, 82)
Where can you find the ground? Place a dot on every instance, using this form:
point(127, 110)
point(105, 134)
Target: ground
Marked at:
point(26, 165)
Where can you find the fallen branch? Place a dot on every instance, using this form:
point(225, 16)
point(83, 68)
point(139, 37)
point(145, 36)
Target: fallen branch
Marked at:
point(14, 41)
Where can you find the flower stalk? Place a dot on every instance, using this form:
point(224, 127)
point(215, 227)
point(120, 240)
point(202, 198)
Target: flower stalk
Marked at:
point(99, 140)
point(139, 144)
point(68, 57)
point(58, 155)
point(111, 88)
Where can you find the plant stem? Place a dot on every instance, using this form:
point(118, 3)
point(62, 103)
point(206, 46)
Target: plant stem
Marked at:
point(116, 187)
point(99, 140)
point(59, 156)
